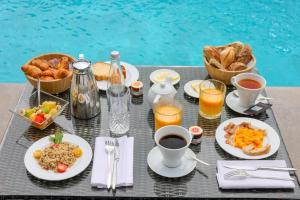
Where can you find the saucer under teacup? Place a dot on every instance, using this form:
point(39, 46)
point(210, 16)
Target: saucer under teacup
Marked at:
point(155, 162)
point(232, 102)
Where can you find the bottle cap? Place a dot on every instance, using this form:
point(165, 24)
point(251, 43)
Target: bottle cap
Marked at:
point(81, 56)
point(115, 55)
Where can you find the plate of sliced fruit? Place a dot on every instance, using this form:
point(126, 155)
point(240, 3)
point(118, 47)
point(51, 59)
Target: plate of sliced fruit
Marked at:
point(58, 157)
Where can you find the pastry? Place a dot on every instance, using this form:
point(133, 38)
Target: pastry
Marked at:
point(42, 64)
point(61, 73)
point(48, 72)
point(63, 63)
point(227, 56)
point(31, 70)
point(237, 46)
point(237, 66)
point(245, 55)
point(231, 57)
point(216, 64)
point(211, 52)
point(47, 78)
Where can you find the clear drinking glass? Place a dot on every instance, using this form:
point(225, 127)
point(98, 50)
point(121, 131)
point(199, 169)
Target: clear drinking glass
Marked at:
point(211, 98)
point(167, 112)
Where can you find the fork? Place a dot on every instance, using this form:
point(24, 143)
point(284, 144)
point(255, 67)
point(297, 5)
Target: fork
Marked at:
point(109, 147)
point(242, 174)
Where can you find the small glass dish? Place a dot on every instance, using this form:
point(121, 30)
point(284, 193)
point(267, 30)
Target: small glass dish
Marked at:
point(33, 102)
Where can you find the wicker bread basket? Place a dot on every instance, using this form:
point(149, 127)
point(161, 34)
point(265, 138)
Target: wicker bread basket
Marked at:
point(224, 75)
point(52, 86)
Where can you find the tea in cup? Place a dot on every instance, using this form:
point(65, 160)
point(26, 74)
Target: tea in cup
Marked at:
point(249, 86)
point(172, 142)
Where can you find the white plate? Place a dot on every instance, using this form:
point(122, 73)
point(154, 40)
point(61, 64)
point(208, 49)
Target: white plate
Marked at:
point(81, 163)
point(271, 138)
point(172, 73)
point(232, 102)
point(189, 90)
point(155, 159)
point(132, 74)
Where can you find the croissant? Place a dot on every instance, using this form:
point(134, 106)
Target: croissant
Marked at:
point(46, 78)
point(61, 73)
point(42, 64)
point(31, 70)
point(63, 63)
point(245, 56)
point(48, 72)
point(211, 52)
point(237, 66)
point(216, 64)
point(227, 56)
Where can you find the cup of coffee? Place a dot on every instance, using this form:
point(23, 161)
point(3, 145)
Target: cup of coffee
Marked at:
point(172, 141)
point(249, 86)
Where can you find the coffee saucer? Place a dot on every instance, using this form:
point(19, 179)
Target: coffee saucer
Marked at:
point(232, 102)
point(155, 162)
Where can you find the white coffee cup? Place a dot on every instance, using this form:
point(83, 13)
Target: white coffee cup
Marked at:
point(247, 97)
point(172, 157)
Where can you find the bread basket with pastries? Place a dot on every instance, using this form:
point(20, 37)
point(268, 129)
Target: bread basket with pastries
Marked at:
point(53, 71)
point(224, 62)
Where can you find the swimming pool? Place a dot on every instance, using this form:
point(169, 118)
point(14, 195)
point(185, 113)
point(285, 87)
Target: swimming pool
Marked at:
point(151, 32)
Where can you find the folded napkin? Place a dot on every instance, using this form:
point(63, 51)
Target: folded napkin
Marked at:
point(250, 183)
point(124, 167)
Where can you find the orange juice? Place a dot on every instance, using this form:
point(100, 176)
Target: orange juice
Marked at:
point(167, 115)
point(211, 103)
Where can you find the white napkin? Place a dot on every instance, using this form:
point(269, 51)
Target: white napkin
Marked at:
point(124, 167)
point(250, 183)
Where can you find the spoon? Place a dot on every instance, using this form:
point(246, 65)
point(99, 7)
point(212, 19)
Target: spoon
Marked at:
point(235, 92)
point(200, 161)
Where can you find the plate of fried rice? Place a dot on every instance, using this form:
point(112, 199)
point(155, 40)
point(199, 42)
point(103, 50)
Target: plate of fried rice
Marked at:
point(50, 160)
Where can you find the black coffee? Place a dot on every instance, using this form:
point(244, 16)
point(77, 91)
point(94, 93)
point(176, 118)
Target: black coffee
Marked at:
point(172, 141)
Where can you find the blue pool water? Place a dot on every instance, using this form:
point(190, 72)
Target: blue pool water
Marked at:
point(151, 32)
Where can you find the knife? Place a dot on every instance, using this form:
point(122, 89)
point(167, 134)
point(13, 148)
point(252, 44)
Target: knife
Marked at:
point(254, 168)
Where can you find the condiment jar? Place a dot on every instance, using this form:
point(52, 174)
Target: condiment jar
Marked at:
point(196, 132)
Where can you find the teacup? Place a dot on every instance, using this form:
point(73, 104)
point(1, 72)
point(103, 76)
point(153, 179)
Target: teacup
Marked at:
point(172, 156)
point(249, 86)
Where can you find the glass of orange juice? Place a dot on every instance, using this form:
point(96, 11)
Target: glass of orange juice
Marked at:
point(167, 112)
point(211, 98)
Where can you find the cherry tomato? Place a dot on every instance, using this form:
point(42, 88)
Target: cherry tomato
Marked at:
point(61, 168)
point(55, 145)
point(39, 118)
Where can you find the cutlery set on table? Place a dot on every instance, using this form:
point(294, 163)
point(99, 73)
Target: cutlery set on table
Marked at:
point(112, 149)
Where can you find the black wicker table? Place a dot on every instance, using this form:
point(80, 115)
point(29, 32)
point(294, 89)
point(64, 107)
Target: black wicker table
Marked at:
point(17, 183)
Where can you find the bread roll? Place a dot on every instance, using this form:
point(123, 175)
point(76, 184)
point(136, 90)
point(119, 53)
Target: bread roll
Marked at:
point(227, 56)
